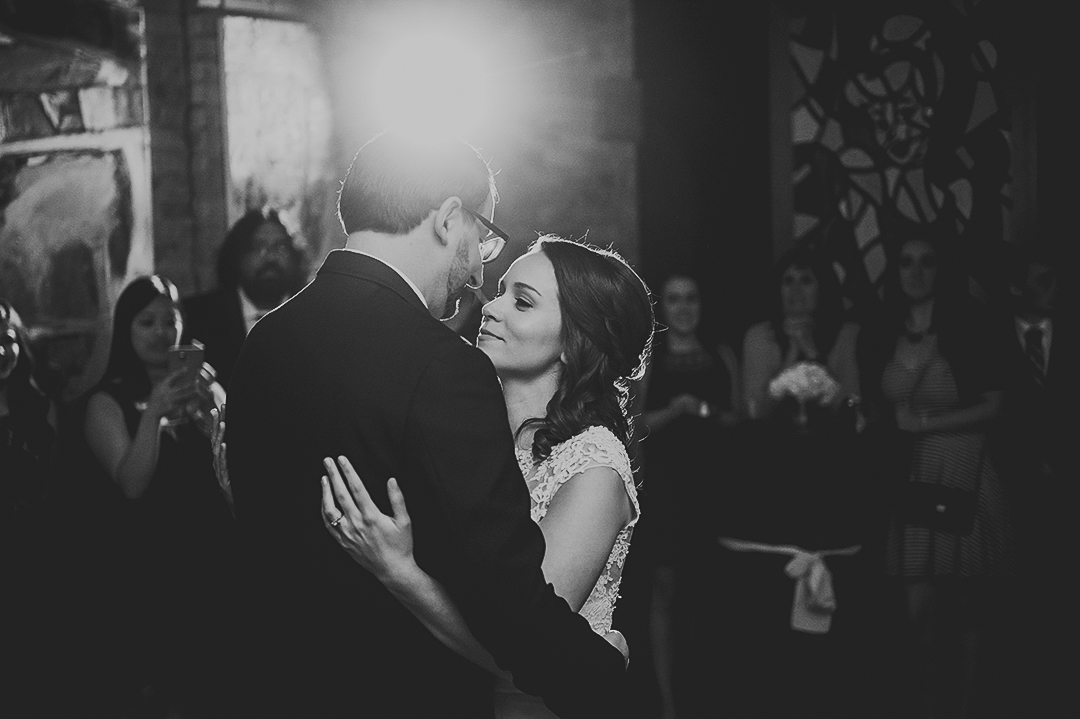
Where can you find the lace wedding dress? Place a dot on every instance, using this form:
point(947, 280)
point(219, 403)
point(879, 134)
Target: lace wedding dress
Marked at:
point(593, 447)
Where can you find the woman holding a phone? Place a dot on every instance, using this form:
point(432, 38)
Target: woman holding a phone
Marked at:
point(151, 390)
point(146, 427)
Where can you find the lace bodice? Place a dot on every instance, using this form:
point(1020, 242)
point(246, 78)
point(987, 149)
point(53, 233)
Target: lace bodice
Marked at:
point(593, 447)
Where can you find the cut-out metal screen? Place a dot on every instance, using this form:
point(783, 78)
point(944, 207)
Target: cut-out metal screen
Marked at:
point(898, 128)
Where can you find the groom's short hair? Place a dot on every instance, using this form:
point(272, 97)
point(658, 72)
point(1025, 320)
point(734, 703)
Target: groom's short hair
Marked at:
point(395, 181)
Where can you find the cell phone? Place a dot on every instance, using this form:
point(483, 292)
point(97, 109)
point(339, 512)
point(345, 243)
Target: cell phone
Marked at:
point(188, 357)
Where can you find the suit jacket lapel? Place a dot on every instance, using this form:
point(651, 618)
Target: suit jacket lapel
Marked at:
point(235, 314)
point(1061, 354)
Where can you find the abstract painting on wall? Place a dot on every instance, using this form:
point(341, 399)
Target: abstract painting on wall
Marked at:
point(67, 246)
point(74, 176)
point(279, 128)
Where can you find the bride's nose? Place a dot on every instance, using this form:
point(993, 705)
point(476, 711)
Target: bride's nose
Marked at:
point(489, 311)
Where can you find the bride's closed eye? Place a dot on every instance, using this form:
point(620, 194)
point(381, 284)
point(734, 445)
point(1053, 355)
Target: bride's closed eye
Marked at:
point(520, 301)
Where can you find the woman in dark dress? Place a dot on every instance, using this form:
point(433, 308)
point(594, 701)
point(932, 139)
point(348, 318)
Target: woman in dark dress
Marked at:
point(932, 383)
point(146, 433)
point(691, 398)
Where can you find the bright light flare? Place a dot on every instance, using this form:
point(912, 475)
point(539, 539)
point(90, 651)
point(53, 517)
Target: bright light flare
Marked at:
point(432, 84)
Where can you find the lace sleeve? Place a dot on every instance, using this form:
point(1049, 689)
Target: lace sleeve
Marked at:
point(595, 447)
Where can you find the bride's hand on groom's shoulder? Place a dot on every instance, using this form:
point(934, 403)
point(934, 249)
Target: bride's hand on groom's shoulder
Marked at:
point(380, 543)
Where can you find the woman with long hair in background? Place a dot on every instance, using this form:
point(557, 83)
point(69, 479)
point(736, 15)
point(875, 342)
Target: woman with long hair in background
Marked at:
point(692, 401)
point(933, 386)
point(145, 431)
point(793, 514)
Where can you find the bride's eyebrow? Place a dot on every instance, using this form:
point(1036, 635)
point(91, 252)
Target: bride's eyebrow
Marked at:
point(530, 288)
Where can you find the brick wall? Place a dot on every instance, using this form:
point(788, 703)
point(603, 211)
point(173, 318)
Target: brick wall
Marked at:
point(187, 141)
point(567, 152)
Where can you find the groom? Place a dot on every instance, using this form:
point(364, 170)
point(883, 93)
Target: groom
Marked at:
point(358, 364)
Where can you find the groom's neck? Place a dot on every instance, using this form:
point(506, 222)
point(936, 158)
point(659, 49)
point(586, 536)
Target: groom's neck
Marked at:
point(410, 254)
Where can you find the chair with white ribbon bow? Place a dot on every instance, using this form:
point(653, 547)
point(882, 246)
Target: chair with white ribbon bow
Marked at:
point(814, 601)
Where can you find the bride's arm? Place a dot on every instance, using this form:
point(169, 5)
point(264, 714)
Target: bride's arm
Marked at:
point(382, 545)
point(582, 522)
point(578, 545)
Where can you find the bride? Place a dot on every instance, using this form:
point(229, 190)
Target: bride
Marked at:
point(570, 327)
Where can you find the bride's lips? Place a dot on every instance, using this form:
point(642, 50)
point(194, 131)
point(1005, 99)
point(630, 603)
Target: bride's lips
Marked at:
point(484, 333)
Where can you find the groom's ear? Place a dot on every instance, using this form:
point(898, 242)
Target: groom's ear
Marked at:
point(448, 219)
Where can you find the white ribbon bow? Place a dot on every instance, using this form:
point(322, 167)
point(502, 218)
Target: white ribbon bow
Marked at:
point(814, 601)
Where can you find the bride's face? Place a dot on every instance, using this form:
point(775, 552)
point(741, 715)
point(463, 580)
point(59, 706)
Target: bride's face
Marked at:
point(522, 327)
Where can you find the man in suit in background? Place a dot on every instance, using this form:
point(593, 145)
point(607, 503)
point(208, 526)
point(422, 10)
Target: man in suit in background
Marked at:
point(1039, 452)
point(259, 266)
point(358, 364)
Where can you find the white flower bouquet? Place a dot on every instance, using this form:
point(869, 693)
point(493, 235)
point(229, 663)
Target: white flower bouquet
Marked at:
point(805, 381)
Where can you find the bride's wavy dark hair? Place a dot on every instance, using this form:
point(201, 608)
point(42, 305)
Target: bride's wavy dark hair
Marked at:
point(607, 330)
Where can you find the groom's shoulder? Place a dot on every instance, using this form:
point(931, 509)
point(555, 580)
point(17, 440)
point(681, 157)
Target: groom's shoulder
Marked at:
point(448, 347)
point(371, 319)
point(446, 357)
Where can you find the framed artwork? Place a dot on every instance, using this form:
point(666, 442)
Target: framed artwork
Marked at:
point(74, 230)
point(279, 129)
point(75, 223)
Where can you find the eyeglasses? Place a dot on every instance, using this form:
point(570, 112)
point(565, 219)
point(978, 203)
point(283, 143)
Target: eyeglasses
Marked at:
point(492, 246)
point(260, 251)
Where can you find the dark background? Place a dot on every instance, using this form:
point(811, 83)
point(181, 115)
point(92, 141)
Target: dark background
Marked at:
point(705, 174)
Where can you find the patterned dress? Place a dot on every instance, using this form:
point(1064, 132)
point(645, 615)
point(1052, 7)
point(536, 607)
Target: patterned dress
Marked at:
point(593, 447)
point(958, 459)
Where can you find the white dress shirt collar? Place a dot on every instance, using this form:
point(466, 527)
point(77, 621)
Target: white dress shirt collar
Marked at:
point(1047, 327)
point(1045, 324)
point(252, 314)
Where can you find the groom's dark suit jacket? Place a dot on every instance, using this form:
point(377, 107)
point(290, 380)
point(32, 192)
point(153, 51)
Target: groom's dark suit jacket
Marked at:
point(355, 365)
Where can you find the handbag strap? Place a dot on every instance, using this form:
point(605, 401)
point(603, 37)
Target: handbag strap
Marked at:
point(911, 396)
